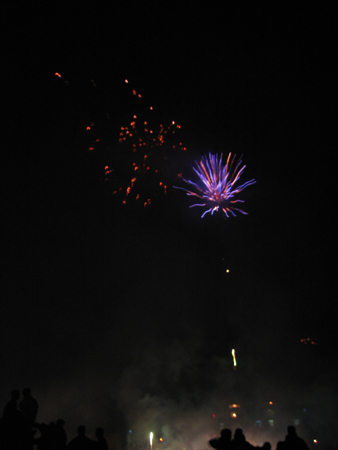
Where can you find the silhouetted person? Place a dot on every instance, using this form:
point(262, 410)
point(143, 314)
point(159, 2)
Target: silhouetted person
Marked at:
point(11, 409)
point(280, 445)
point(81, 442)
point(29, 406)
point(224, 442)
point(16, 431)
point(239, 442)
point(294, 442)
point(60, 435)
point(44, 441)
point(101, 443)
point(266, 446)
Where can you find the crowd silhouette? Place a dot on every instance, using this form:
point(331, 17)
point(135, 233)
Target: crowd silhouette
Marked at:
point(19, 431)
point(292, 441)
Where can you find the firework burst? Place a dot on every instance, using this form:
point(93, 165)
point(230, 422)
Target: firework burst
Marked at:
point(138, 170)
point(218, 190)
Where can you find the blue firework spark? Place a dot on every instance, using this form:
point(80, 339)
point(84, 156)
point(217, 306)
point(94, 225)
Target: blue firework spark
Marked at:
point(218, 189)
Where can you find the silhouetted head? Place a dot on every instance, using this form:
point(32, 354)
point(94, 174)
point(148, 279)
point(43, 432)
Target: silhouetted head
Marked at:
point(239, 436)
point(99, 432)
point(60, 422)
point(15, 394)
point(44, 428)
point(81, 430)
point(226, 434)
point(267, 446)
point(292, 431)
point(26, 392)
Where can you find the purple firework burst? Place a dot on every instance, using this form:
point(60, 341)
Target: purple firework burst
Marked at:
point(219, 181)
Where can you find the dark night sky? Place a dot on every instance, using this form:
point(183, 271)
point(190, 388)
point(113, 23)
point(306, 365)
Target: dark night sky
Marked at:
point(105, 307)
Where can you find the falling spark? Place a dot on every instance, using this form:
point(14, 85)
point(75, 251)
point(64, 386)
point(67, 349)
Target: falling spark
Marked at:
point(219, 184)
point(234, 358)
point(61, 78)
point(149, 171)
point(308, 341)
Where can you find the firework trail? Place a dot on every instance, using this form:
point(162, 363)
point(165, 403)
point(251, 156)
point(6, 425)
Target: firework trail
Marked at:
point(219, 181)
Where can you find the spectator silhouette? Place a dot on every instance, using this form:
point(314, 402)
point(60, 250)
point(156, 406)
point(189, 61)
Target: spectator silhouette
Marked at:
point(60, 435)
point(280, 445)
point(224, 442)
point(101, 443)
point(239, 442)
point(266, 446)
point(16, 431)
point(293, 441)
point(81, 442)
point(11, 410)
point(29, 406)
point(43, 442)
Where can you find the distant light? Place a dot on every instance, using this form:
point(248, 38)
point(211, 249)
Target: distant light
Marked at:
point(270, 403)
point(315, 441)
point(271, 423)
point(234, 415)
point(227, 271)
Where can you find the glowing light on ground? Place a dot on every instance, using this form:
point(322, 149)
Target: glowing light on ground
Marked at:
point(151, 440)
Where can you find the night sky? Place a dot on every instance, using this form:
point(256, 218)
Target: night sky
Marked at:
point(123, 316)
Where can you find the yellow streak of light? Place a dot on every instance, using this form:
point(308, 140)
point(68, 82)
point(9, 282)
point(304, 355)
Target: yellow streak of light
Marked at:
point(234, 358)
